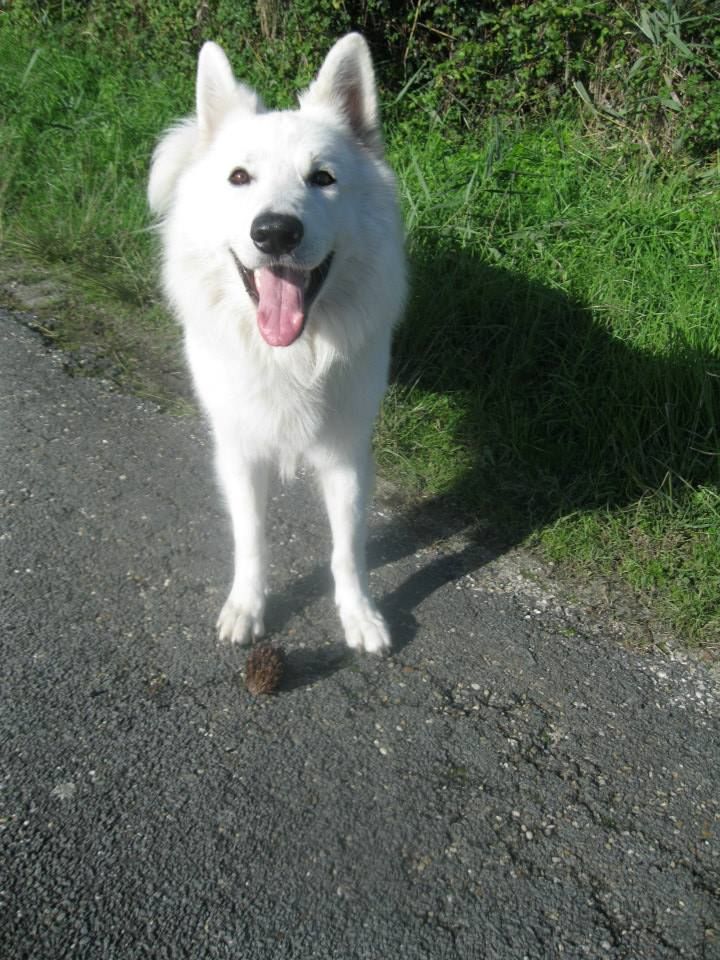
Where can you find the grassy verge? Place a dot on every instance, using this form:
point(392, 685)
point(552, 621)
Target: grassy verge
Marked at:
point(559, 367)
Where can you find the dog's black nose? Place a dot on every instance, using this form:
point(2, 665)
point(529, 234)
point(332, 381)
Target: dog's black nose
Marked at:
point(276, 233)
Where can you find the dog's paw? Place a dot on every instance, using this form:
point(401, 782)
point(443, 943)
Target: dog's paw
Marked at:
point(365, 629)
point(240, 622)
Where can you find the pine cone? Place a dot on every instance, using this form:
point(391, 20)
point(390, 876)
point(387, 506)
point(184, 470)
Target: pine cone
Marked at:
point(264, 669)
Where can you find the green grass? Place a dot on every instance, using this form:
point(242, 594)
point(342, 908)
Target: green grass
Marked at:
point(565, 298)
point(665, 547)
point(77, 138)
point(559, 366)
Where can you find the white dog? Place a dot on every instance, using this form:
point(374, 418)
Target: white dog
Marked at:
point(283, 258)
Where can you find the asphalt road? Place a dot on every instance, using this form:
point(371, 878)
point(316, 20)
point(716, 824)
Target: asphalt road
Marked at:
point(506, 785)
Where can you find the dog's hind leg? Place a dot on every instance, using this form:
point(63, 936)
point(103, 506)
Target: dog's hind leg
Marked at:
point(346, 485)
point(245, 485)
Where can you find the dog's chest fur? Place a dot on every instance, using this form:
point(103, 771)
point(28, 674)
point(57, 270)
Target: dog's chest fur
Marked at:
point(274, 401)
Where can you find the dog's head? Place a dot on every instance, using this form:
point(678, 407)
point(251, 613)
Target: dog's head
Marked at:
point(276, 197)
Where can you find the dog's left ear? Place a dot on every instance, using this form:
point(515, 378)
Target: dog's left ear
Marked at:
point(346, 84)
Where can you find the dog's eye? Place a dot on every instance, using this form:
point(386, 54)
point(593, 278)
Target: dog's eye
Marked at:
point(239, 177)
point(321, 178)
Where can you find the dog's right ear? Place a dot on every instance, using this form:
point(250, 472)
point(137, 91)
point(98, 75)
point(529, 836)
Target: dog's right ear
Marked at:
point(218, 91)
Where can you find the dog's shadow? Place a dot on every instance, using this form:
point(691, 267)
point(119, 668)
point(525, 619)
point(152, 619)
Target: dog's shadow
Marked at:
point(402, 537)
point(306, 666)
point(561, 416)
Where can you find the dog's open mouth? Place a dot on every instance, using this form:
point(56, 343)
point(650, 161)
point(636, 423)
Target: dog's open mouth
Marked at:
point(283, 297)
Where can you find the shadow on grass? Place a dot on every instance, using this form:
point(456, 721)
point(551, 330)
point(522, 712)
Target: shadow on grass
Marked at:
point(552, 414)
point(558, 414)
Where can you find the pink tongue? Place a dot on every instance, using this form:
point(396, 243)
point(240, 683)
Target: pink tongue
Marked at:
point(280, 310)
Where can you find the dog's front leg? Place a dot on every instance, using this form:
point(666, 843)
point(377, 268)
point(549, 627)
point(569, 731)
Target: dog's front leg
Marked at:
point(245, 485)
point(345, 485)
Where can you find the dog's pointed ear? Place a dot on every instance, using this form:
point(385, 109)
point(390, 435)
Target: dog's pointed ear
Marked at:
point(218, 91)
point(346, 84)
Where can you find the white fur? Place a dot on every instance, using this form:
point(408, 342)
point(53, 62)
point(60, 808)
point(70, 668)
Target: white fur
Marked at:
point(316, 399)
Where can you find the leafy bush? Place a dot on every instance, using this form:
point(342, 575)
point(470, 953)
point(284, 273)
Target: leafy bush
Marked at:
point(649, 69)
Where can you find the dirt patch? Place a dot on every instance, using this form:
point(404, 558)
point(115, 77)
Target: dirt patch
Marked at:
point(139, 349)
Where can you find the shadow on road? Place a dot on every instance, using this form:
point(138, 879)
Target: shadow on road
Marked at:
point(307, 666)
